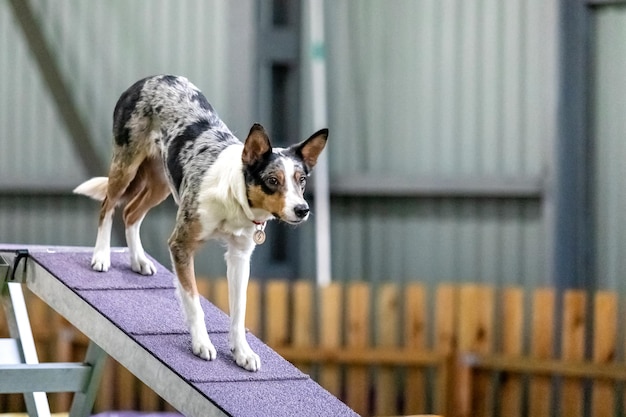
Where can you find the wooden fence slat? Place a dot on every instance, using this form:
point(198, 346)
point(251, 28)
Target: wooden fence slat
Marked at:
point(219, 294)
point(387, 333)
point(446, 340)
point(106, 392)
point(277, 317)
point(604, 348)
point(330, 331)
point(302, 327)
point(512, 325)
point(204, 287)
point(414, 338)
point(542, 343)
point(148, 399)
point(573, 349)
point(63, 348)
point(357, 336)
point(125, 393)
point(253, 308)
point(475, 336)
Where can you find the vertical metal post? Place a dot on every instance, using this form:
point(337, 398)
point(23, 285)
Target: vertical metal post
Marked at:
point(278, 46)
point(83, 401)
point(572, 216)
point(573, 253)
point(317, 56)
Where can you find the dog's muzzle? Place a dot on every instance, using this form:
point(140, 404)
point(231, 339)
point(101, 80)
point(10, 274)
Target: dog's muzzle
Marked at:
point(301, 211)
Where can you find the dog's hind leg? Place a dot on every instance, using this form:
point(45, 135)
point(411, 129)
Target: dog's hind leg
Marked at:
point(101, 259)
point(139, 262)
point(121, 174)
point(153, 189)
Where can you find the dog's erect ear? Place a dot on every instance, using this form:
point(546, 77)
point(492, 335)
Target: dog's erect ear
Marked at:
point(257, 145)
point(311, 148)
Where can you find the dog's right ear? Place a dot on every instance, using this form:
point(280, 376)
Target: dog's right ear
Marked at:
point(257, 145)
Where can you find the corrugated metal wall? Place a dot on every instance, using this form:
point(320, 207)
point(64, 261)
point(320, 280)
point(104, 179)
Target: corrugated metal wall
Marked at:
point(101, 48)
point(609, 134)
point(457, 87)
point(435, 89)
point(451, 89)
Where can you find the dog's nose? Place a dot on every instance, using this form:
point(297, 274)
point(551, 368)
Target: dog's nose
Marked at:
point(301, 210)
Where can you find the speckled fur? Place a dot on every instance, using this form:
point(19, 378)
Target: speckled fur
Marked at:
point(168, 139)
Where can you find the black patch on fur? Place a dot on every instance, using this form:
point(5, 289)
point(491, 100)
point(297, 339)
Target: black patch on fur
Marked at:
point(253, 174)
point(124, 110)
point(222, 136)
point(174, 163)
point(170, 79)
point(295, 154)
point(202, 102)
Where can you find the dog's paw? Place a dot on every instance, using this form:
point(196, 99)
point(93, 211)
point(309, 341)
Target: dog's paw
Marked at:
point(143, 266)
point(101, 261)
point(205, 350)
point(247, 359)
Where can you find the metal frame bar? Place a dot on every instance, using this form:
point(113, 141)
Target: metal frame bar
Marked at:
point(21, 332)
point(83, 401)
point(20, 368)
point(435, 187)
point(605, 2)
point(44, 377)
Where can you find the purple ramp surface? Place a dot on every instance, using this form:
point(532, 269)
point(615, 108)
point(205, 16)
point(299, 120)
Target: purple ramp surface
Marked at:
point(145, 309)
point(175, 352)
point(302, 398)
point(160, 311)
point(74, 270)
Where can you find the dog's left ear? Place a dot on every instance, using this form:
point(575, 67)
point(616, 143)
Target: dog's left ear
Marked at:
point(257, 145)
point(310, 149)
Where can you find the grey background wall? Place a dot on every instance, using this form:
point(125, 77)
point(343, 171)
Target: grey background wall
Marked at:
point(444, 119)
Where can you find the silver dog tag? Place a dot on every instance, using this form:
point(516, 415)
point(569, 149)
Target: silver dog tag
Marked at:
point(259, 234)
point(258, 237)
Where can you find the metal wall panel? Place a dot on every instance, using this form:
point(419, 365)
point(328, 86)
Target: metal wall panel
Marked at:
point(452, 87)
point(609, 133)
point(448, 89)
point(32, 139)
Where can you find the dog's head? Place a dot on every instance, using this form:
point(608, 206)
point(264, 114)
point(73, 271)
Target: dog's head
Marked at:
point(276, 177)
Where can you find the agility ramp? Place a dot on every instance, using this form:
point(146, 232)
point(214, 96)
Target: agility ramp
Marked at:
point(137, 321)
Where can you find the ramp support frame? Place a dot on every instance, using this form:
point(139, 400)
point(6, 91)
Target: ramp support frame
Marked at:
point(20, 370)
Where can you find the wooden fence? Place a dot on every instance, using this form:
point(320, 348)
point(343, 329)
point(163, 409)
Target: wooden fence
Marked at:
point(456, 350)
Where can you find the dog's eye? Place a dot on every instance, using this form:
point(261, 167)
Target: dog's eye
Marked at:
point(302, 181)
point(272, 181)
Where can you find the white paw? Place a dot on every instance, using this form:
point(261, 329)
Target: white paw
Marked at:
point(143, 266)
point(101, 261)
point(246, 358)
point(204, 349)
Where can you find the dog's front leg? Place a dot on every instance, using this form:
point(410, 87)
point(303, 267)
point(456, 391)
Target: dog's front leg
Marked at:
point(182, 252)
point(238, 272)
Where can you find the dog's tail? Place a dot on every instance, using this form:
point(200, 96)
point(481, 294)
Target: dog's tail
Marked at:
point(95, 188)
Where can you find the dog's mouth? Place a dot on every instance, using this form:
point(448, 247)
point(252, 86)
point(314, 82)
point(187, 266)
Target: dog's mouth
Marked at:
point(292, 221)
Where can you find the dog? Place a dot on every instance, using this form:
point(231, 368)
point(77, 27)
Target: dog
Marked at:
point(169, 139)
